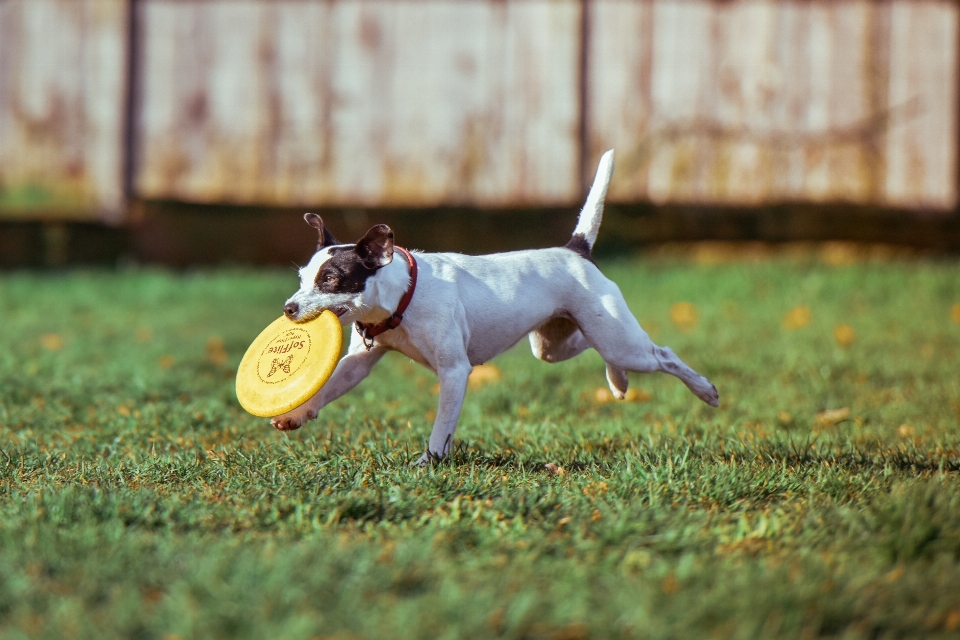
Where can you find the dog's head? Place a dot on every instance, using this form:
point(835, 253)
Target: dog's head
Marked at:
point(337, 275)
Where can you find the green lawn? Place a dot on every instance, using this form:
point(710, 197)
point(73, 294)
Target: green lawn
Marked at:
point(138, 500)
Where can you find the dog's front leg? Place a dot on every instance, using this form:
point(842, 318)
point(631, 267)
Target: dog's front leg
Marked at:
point(453, 388)
point(352, 368)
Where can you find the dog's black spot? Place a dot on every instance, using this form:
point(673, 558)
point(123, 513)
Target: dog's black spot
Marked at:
point(344, 272)
point(351, 265)
point(579, 245)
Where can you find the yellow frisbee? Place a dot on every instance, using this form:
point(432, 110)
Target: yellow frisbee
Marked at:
point(287, 363)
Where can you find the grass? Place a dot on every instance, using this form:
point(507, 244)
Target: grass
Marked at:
point(137, 500)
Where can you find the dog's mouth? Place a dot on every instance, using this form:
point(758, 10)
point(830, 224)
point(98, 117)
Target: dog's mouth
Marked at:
point(340, 310)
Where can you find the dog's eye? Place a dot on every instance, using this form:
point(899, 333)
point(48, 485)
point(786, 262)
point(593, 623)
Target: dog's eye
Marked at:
point(330, 278)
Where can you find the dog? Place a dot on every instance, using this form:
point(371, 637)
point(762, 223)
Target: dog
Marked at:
point(450, 312)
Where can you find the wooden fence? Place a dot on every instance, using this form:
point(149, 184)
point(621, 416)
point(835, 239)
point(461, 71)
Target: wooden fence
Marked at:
point(486, 103)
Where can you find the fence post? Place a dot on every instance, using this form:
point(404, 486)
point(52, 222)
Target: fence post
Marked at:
point(583, 133)
point(131, 107)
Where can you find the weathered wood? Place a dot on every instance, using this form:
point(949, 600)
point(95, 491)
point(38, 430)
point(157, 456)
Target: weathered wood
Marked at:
point(754, 102)
point(406, 103)
point(382, 102)
point(62, 89)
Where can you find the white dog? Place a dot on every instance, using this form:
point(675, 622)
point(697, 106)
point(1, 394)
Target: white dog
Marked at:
point(465, 310)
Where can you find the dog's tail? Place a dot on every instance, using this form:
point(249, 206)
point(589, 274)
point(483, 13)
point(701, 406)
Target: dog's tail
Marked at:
point(588, 225)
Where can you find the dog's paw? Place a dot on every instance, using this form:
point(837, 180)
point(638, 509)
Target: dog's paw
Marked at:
point(293, 420)
point(428, 458)
point(711, 396)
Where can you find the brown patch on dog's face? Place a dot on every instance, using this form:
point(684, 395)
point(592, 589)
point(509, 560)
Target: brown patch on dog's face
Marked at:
point(337, 275)
point(344, 272)
point(349, 267)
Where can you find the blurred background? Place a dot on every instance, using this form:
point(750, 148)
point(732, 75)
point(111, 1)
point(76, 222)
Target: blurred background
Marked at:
point(179, 132)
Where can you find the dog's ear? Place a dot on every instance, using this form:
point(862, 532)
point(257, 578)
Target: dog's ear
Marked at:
point(326, 238)
point(376, 248)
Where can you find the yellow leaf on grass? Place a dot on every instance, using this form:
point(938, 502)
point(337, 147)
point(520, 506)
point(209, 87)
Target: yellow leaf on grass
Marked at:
point(215, 351)
point(483, 374)
point(165, 362)
point(796, 318)
point(638, 395)
point(684, 315)
point(953, 620)
point(955, 313)
point(51, 342)
point(785, 417)
point(603, 395)
point(831, 417)
point(844, 334)
point(670, 584)
point(906, 430)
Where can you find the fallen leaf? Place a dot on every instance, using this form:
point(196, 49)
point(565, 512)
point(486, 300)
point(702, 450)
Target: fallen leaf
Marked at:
point(906, 430)
point(953, 620)
point(215, 351)
point(555, 469)
point(955, 313)
point(603, 395)
point(831, 417)
point(844, 334)
point(893, 575)
point(166, 362)
point(784, 417)
point(670, 584)
point(483, 374)
point(638, 395)
point(684, 315)
point(51, 342)
point(796, 318)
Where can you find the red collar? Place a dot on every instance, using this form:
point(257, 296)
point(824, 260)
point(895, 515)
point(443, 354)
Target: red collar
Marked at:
point(369, 331)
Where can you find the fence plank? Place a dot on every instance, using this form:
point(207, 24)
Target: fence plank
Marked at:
point(383, 102)
point(62, 87)
point(749, 102)
point(411, 103)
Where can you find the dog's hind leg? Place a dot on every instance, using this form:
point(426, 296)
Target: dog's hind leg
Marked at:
point(560, 339)
point(611, 329)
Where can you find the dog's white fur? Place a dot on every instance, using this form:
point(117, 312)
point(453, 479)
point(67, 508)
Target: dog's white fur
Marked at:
point(468, 309)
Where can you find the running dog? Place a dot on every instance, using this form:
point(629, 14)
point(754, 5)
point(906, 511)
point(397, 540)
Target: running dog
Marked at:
point(449, 312)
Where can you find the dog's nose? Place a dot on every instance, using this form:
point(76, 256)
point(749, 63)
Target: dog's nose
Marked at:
point(291, 309)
